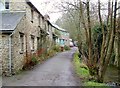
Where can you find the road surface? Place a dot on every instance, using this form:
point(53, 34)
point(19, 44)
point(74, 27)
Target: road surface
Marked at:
point(56, 71)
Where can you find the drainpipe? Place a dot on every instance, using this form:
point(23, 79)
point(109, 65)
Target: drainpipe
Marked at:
point(10, 53)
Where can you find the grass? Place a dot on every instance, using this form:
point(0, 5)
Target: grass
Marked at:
point(80, 68)
point(83, 72)
point(91, 84)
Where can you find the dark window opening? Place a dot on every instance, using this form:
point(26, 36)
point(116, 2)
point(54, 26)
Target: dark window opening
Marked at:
point(32, 13)
point(38, 43)
point(39, 20)
point(6, 5)
point(22, 41)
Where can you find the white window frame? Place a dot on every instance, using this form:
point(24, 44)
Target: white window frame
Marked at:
point(32, 43)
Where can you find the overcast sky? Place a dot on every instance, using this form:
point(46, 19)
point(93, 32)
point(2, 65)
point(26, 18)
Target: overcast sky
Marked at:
point(49, 7)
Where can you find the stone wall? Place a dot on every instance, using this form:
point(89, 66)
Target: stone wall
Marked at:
point(18, 55)
point(29, 26)
point(4, 39)
point(17, 5)
point(0, 61)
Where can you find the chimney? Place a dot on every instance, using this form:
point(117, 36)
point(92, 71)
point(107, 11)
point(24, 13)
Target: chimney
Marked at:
point(46, 17)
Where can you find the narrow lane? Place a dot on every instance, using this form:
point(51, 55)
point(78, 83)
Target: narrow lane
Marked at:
point(56, 71)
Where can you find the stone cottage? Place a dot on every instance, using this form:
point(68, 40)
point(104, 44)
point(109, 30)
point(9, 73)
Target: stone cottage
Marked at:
point(24, 32)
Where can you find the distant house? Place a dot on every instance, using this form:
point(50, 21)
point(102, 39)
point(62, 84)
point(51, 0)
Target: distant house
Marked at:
point(63, 38)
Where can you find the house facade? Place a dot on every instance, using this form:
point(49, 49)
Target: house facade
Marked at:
point(24, 33)
point(63, 36)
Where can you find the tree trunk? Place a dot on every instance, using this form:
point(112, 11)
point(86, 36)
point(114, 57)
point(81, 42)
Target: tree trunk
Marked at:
point(89, 32)
point(110, 49)
point(116, 50)
point(100, 76)
point(83, 22)
point(119, 46)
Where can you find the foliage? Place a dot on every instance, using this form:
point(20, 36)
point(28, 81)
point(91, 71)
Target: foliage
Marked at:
point(96, 42)
point(80, 68)
point(97, 35)
point(91, 84)
point(50, 53)
point(83, 72)
point(57, 33)
point(66, 47)
point(70, 23)
point(56, 48)
point(34, 60)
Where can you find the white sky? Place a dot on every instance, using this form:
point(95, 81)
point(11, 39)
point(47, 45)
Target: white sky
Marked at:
point(48, 7)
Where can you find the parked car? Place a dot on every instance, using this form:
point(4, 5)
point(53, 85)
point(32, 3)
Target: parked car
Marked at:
point(71, 44)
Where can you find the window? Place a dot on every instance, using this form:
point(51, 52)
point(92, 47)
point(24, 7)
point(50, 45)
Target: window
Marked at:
point(38, 42)
point(39, 20)
point(7, 4)
point(32, 43)
point(48, 27)
point(43, 23)
point(22, 41)
point(32, 13)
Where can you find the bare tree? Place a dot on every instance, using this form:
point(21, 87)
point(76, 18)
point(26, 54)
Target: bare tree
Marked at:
point(97, 59)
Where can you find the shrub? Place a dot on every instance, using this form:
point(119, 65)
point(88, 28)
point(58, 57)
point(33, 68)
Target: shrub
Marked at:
point(34, 60)
point(66, 47)
point(56, 48)
point(50, 53)
point(82, 65)
point(83, 71)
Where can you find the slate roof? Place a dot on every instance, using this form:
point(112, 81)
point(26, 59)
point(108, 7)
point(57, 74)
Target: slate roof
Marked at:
point(54, 25)
point(10, 20)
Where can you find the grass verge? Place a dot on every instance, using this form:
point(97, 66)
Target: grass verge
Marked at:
point(80, 68)
point(83, 72)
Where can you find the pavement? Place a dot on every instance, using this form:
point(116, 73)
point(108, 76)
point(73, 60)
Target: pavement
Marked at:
point(56, 71)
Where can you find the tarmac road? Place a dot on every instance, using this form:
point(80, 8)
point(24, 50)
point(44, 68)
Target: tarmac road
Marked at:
point(56, 71)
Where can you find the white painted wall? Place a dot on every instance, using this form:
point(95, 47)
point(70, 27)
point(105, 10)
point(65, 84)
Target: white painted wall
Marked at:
point(2, 7)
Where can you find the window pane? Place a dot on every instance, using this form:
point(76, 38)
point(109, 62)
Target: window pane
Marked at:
point(22, 42)
point(6, 5)
point(32, 42)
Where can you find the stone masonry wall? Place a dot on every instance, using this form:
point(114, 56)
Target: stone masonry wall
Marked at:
point(28, 26)
point(17, 5)
point(18, 56)
point(5, 52)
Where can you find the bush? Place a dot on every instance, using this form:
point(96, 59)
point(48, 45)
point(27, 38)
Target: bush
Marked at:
point(66, 47)
point(50, 53)
point(83, 72)
point(56, 48)
point(34, 60)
